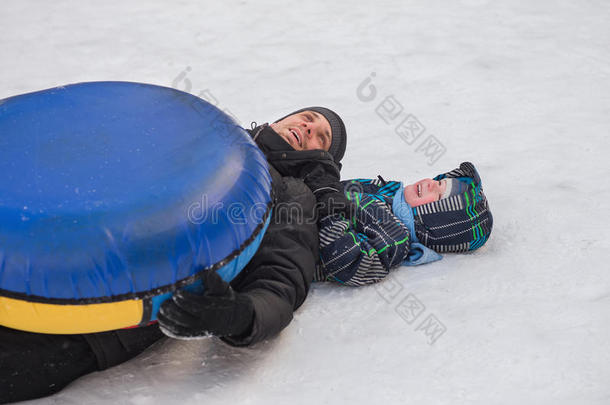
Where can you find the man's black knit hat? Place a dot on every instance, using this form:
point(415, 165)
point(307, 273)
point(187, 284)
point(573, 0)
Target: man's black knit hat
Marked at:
point(339, 135)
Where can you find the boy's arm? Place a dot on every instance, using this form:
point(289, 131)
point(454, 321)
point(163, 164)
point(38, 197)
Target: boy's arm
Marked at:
point(378, 187)
point(362, 250)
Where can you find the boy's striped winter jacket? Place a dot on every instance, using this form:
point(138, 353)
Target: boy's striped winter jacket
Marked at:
point(363, 250)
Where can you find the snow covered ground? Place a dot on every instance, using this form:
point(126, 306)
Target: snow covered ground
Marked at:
point(520, 88)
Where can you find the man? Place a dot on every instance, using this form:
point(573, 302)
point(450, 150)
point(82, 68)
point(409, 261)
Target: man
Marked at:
point(303, 150)
point(259, 303)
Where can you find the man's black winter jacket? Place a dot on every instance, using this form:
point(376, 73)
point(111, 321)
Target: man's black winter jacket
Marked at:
point(278, 277)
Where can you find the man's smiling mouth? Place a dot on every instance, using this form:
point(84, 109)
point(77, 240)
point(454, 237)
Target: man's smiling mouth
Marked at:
point(297, 135)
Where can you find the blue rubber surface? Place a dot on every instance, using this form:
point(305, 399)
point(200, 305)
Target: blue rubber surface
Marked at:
point(226, 272)
point(114, 188)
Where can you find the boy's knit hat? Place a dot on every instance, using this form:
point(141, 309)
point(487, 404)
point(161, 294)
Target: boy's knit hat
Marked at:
point(454, 187)
point(460, 222)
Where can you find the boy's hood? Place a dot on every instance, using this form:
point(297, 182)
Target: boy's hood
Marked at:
point(459, 223)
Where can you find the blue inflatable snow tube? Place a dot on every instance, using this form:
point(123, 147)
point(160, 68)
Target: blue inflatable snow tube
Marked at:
point(114, 194)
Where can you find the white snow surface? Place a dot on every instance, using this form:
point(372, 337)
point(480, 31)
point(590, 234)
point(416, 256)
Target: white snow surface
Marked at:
point(520, 88)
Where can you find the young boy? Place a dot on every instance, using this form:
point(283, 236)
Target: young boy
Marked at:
point(403, 225)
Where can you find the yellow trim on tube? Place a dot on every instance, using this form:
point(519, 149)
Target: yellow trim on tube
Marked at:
point(69, 319)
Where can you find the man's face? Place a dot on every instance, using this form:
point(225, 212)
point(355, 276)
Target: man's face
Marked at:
point(306, 130)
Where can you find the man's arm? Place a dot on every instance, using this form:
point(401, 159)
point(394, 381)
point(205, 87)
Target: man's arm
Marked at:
point(278, 277)
point(259, 303)
point(362, 250)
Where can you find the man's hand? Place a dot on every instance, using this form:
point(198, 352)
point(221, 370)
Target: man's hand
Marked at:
point(335, 203)
point(219, 311)
point(323, 180)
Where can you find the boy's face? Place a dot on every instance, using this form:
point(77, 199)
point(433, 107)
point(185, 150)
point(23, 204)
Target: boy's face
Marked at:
point(306, 130)
point(424, 192)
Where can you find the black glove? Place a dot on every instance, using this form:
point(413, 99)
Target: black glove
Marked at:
point(219, 311)
point(334, 203)
point(323, 180)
